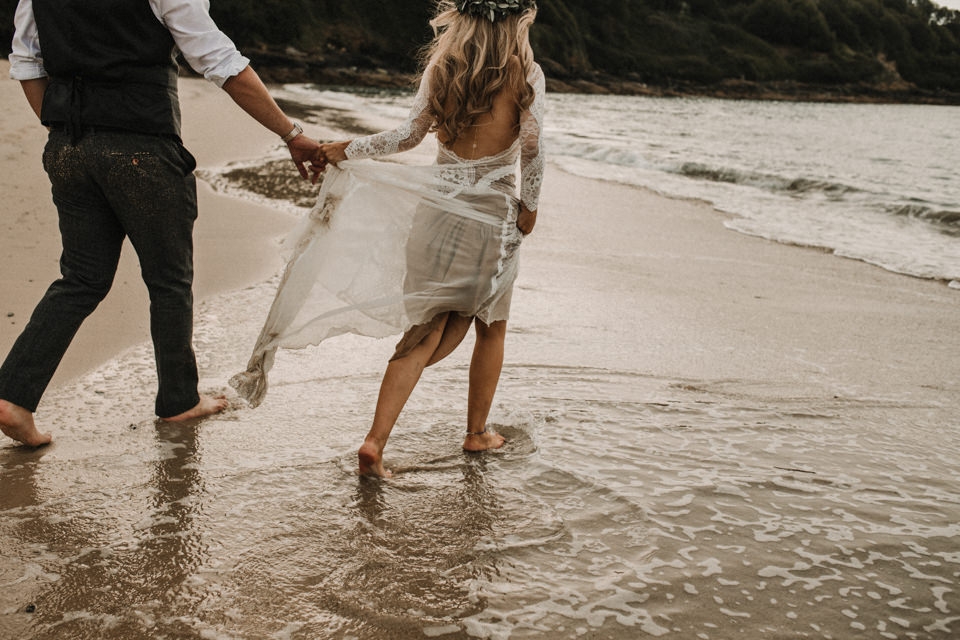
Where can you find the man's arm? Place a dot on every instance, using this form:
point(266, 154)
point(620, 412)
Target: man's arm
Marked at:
point(34, 90)
point(209, 51)
point(26, 60)
point(249, 92)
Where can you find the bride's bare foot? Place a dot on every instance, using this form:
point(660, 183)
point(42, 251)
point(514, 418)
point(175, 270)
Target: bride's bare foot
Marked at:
point(207, 406)
point(483, 440)
point(371, 460)
point(17, 423)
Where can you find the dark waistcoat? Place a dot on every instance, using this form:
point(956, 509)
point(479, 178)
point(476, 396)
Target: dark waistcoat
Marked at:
point(111, 65)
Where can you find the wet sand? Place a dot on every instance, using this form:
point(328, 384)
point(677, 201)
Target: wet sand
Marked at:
point(710, 435)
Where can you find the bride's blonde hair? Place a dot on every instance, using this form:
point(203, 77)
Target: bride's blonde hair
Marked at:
point(472, 59)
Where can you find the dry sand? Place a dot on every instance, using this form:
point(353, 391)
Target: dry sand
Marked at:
point(714, 303)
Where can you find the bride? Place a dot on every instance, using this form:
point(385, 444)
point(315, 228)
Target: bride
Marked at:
point(425, 250)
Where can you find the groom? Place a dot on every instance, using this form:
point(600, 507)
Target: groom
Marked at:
point(105, 84)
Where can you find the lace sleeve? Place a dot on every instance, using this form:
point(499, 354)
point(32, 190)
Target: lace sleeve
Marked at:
point(405, 137)
point(531, 143)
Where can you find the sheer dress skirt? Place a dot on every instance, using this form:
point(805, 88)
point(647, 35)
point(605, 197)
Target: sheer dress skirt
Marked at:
point(455, 264)
point(387, 249)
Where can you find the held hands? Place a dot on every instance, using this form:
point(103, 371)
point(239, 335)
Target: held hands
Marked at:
point(306, 156)
point(310, 155)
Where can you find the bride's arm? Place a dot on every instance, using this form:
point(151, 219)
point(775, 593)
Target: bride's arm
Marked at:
point(531, 153)
point(409, 134)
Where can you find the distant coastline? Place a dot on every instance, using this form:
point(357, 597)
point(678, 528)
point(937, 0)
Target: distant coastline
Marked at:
point(290, 66)
point(877, 51)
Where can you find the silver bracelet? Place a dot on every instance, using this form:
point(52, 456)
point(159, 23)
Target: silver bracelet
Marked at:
point(297, 130)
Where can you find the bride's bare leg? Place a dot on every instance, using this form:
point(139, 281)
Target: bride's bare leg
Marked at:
point(398, 382)
point(485, 369)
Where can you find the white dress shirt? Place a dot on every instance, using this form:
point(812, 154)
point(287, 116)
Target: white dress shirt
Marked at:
point(206, 49)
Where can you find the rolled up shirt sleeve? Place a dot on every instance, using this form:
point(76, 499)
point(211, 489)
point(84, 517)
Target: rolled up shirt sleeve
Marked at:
point(206, 49)
point(26, 61)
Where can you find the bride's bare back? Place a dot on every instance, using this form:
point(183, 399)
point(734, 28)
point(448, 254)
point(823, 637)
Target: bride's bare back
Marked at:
point(493, 132)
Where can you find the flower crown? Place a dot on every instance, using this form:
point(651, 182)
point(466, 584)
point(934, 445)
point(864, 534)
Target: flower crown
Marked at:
point(494, 9)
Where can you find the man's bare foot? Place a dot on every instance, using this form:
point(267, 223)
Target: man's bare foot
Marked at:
point(371, 460)
point(207, 406)
point(483, 440)
point(17, 423)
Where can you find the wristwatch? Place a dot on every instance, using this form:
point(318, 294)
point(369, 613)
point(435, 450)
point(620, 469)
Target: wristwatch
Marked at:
point(297, 130)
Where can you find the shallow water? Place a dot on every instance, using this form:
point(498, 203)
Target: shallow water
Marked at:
point(624, 505)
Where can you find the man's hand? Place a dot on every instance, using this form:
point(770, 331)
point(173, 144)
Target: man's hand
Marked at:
point(249, 92)
point(308, 158)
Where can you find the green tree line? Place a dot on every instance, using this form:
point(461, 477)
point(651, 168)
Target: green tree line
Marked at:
point(659, 42)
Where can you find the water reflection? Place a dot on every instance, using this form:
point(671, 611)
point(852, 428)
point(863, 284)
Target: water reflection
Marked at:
point(413, 550)
point(107, 560)
point(698, 515)
point(20, 493)
point(171, 546)
point(18, 467)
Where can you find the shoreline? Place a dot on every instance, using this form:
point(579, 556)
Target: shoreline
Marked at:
point(720, 304)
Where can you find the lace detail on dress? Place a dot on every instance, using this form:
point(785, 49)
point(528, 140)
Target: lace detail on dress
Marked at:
point(497, 172)
point(531, 143)
point(408, 135)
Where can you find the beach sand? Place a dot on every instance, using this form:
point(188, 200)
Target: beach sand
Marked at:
point(709, 433)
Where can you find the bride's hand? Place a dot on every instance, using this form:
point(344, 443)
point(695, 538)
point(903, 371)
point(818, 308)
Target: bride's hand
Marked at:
point(335, 152)
point(526, 219)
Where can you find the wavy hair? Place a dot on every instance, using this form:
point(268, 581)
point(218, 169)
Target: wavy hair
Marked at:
point(470, 61)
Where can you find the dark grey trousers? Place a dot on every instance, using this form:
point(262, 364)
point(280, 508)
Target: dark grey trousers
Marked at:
point(107, 186)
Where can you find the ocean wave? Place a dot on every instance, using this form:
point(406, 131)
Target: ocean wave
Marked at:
point(766, 181)
point(584, 148)
point(948, 220)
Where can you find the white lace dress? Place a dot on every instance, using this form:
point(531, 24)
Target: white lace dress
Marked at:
point(390, 246)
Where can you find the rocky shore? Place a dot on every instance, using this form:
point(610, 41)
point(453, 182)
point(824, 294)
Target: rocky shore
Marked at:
point(293, 66)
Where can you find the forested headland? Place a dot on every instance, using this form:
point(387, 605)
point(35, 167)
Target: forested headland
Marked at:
point(903, 50)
